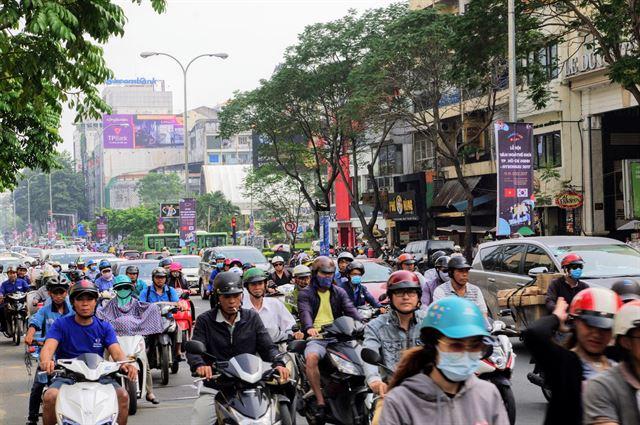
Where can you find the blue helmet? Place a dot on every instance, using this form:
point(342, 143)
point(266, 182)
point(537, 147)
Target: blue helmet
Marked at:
point(220, 257)
point(104, 264)
point(91, 262)
point(455, 317)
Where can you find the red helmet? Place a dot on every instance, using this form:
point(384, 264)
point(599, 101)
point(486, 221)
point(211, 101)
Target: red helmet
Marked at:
point(596, 306)
point(571, 259)
point(406, 258)
point(175, 267)
point(403, 279)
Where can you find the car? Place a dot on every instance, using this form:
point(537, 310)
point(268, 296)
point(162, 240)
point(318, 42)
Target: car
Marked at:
point(37, 253)
point(422, 250)
point(152, 255)
point(22, 257)
point(246, 254)
point(190, 266)
point(95, 256)
point(144, 266)
point(509, 263)
point(130, 254)
point(376, 274)
point(64, 257)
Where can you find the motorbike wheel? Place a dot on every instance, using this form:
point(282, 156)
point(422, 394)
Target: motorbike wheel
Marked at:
point(509, 402)
point(164, 365)
point(285, 415)
point(132, 390)
point(175, 366)
point(18, 329)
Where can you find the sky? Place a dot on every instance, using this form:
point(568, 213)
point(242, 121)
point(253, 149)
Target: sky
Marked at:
point(255, 34)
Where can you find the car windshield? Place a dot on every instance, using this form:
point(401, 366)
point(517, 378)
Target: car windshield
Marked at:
point(252, 256)
point(95, 256)
point(145, 268)
point(375, 272)
point(6, 262)
point(188, 262)
point(602, 261)
point(64, 258)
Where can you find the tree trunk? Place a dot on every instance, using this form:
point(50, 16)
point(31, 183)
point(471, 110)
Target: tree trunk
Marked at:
point(468, 244)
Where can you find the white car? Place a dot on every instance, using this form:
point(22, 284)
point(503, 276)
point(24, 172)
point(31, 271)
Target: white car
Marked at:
point(190, 266)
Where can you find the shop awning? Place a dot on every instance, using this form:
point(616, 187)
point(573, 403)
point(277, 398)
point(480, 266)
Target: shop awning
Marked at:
point(477, 200)
point(452, 192)
point(462, 229)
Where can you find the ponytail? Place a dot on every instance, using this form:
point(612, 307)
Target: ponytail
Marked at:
point(418, 359)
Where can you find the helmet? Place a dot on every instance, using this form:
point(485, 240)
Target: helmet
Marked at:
point(91, 262)
point(437, 255)
point(247, 266)
point(596, 306)
point(456, 248)
point(220, 257)
point(571, 259)
point(227, 262)
point(355, 265)
point(277, 259)
point(83, 287)
point(158, 271)
point(235, 261)
point(79, 262)
point(323, 264)
point(104, 264)
point(12, 268)
point(227, 283)
point(53, 282)
point(165, 262)
point(627, 318)
point(443, 262)
point(455, 317)
point(254, 275)
point(71, 266)
point(406, 258)
point(22, 266)
point(403, 279)
point(457, 263)
point(122, 280)
point(55, 264)
point(76, 275)
point(345, 255)
point(175, 267)
point(627, 289)
point(132, 270)
point(301, 271)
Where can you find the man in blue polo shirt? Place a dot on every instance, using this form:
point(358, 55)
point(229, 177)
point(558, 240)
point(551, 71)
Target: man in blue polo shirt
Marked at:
point(11, 285)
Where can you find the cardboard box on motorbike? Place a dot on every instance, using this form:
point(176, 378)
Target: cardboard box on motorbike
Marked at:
point(527, 302)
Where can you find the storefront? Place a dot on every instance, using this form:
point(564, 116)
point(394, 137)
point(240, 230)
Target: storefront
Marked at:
point(401, 210)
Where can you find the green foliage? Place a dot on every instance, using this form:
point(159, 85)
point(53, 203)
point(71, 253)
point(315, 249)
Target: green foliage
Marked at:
point(131, 224)
point(214, 212)
point(155, 188)
point(50, 55)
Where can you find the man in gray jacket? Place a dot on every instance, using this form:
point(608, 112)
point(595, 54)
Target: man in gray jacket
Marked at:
point(399, 329)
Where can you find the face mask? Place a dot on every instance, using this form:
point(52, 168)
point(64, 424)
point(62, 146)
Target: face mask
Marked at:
point(93, 268)
point(219, 265)
point(356, 280)
point(458, 367)
point(575, 273)
point(107, 276)
point(124, 296)
point(325, 282)
point(443, 276)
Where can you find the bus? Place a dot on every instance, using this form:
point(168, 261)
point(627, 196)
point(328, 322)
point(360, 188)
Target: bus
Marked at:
point(157, 241)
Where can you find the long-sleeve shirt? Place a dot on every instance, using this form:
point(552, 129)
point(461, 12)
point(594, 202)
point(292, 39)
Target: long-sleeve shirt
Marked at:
point(9, 287)
point(359, 294)
point(273, 313)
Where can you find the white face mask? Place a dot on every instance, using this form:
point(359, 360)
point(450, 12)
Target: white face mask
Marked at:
point(443, 276)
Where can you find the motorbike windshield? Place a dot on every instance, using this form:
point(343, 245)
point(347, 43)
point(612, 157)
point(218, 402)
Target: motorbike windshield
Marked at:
point(92, 360)
point(345, 325)
point(246, 367)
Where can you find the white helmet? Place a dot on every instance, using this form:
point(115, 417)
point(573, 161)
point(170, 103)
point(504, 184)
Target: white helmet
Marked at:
point(277, 259)
point(301, 271)
point(345, 255)
point(627, 318)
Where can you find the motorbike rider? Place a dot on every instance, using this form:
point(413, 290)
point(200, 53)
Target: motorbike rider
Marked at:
point(566, 286)
point(408, 262)
point(132, 273)
point(22, 273)
point(75, 276)
point(459, 285)
point(218, 267)
point(612, 397)
point(280, 276)
point(434, 280)
point(591, 315)
point(227, 331)
point(104, 282)
point(176, 279)
point(129, 316)
point(432, 273)
point(627, 289)
point(57, 306)
point(80, 265)
point(394, 332)
point(11, 285)
point(344, 258)
point(301, 279)
point(357, 292)
point(77, 334)
point(318, 305)
point(273, 313)
point(437, 380)
point(165, 263)
point(92, 270)
point(56, 266)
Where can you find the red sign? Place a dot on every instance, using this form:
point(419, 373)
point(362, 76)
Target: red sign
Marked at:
point(569, 200)
point(290, 226)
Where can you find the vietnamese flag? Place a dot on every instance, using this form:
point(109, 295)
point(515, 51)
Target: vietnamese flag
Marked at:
point(509, 192)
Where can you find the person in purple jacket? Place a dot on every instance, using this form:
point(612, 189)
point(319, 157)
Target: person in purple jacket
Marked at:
point(319, 304)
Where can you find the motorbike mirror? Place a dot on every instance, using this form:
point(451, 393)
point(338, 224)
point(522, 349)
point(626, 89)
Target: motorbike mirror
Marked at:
point(195, 347)
point(383, 297)
point(297, 346)
point(538, 270)
point(370, 356)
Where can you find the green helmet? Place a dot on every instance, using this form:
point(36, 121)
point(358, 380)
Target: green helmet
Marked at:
point(253, 275)
point(227, 283)
point(122, 281)
point(455, 317)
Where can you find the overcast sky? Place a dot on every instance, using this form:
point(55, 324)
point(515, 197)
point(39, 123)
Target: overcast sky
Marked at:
point(254, 34)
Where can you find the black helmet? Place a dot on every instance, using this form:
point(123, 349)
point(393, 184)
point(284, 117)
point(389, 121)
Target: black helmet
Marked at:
point(437, 255)
point(457, 263)
point(628, 289)
point(83, 287)
point(165, 262)
point(53, 282)
point(442, 261)
point(355, 265)
point(132, 270)
point(76, 275)
point(227, 283)
point(323, 264)
point(158, 271)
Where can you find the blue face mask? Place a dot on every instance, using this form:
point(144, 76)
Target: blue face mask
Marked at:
point(458, 367)
point(575, 273)
point(325, 282)
point(219, 265)
point(356, 280)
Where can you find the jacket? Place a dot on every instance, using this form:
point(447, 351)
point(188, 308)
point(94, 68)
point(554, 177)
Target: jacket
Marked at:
point(18, 285)
point(44, 318)
point(362, 297)
point(104, 284)
point(249, 336)
point(419, 398)
point(560, 288)
point(385, 336)
point(309, 303)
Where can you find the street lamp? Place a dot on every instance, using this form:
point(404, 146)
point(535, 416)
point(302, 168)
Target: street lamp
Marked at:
point(184, 69)
point(29, 197)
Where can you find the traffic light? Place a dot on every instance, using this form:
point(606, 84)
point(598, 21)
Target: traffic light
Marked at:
point(233, 222)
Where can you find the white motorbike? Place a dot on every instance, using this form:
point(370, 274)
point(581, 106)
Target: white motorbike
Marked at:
point(135, 349)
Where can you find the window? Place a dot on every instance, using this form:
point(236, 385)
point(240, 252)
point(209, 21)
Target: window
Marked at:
point(547, 58)
point(244, 141)
point(226, 144)
point(229, 158)
point(424, 153)
point(244, 158)
point(213, 142)
point(214, 158)
point(390, 160)
point(490, 257)
point(537, 257)
point(512, 257)
point(548, 150)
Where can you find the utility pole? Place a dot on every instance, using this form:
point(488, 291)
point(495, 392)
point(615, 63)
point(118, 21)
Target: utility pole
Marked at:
point(513, 107)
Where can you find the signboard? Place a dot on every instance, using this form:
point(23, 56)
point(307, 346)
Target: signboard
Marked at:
point(142, 131)
point(290, 226)
point(514, 145)
point(634, 168)
point(170, 210)
point(82, 232)
point(631, 188)
point(569, 199)
point(324, 234)
point(402, 206)
point(187, 222)
point(136, 81)
point(101, 227)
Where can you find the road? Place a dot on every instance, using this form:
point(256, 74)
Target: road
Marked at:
point(177, 397)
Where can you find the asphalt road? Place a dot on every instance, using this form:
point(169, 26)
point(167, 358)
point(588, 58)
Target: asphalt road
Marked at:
point(177, 397)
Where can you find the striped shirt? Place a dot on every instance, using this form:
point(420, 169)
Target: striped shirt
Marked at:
point(473, 294)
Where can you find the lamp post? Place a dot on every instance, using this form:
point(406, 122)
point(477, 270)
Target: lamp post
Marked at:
point(511, 28)
point(29, 197)
point(184, 113)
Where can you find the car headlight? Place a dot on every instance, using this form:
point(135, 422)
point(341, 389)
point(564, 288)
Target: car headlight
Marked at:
point(343, 365)
point(498, 358)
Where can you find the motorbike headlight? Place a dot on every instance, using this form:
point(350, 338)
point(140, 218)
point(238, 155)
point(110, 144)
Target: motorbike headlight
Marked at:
point(67, 421)
point(265, 420)
point(498, 358)
point(343, 365)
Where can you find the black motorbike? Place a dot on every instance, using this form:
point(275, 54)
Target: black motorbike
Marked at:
point(161, 347)
point(342, 375)
point(15, 313)
point(249, 391)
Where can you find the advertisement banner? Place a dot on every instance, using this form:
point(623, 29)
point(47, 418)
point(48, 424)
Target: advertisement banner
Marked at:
point(170, 210)
point(142, 131)
point(514, 145)
point(324, 234)
point(101, 227)
point(402, 206)
point(635, 189)
point(187, 222)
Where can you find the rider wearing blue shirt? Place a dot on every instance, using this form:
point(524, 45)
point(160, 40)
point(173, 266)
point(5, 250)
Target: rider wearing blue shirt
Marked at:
point(352, 284)
point(22, 273)
point(219, 267)
point(10, 286)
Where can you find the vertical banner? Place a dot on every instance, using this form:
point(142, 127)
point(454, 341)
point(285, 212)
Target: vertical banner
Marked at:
point(514, 145)
point(324, 233)
point(187, 222)
point(101, 227)
point(635, 189)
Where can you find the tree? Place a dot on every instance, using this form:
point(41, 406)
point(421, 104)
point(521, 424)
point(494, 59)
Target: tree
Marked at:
point(155, 188)
point(214, 212)
point(51, 55)
point(131, 224)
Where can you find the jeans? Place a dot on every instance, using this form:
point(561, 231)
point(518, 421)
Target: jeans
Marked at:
point(35, 398)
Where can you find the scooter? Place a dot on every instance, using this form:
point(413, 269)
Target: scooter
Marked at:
point(246, 390)
point(87, 401)
point(135, 349)
point(161, 346)
point(185, 316)
point(15, 311)
point(341, 373)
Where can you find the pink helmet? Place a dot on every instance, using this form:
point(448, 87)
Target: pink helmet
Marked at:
point(175, 267)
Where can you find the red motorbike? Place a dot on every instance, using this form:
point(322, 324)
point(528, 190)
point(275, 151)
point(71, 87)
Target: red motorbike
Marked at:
point(185, 318)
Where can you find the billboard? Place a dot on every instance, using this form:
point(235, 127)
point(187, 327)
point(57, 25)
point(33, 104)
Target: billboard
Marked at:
point(187, 221)
point(170, 210)
point(123, 131)
point(514, 145)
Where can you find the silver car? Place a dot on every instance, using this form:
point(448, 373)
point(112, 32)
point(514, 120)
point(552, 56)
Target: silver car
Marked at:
point(507, 264)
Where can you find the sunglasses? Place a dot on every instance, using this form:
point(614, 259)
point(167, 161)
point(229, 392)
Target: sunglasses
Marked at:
point(58, 291)
point(106, 271)
point(575, 266)
point(278, 264)
point(460, 347)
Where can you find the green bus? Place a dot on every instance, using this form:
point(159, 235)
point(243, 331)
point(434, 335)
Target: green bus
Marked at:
point(155, 242)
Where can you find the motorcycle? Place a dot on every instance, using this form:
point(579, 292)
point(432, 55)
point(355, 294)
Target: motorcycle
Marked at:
point(161, 346)
point(15, 311)
point(498, 367)
point(185, 317)
point(248, 390)
point(136, 350)
point(341, 373)
point(373, 357)
point(86, 401)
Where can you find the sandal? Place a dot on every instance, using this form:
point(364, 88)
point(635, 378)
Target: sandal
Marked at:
point(153, 400)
